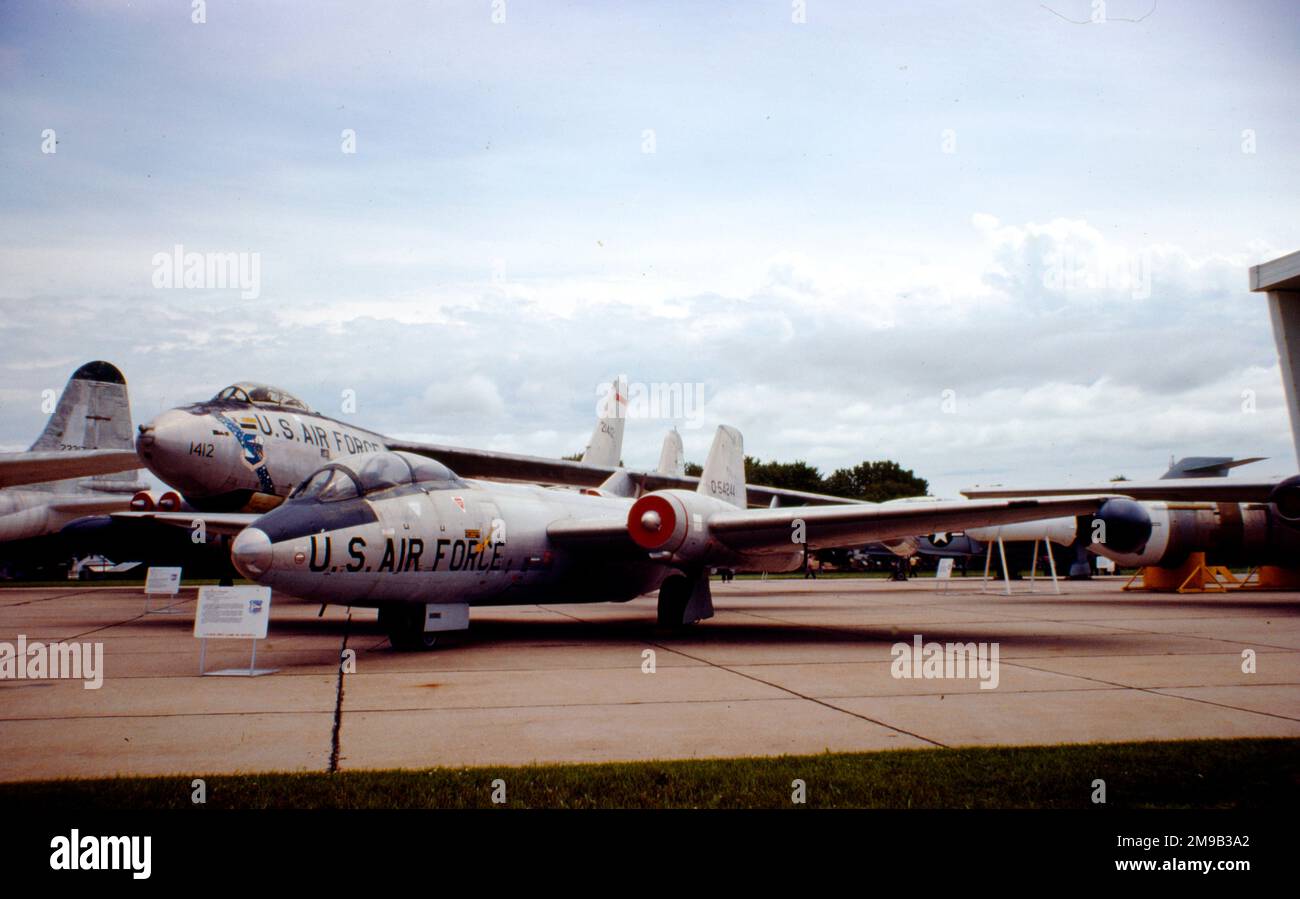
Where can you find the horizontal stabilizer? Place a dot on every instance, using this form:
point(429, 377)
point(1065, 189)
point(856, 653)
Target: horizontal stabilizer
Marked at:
point(56, 465)
point(1206, 466)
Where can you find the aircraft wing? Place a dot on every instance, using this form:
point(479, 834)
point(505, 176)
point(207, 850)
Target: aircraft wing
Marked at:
point(90, 504)
point(58, 465)
point(769, 530)
point(214, 522)
point(472, 463)
point(1226, 490)
point(757, 530)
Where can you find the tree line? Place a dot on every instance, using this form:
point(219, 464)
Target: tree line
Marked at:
point(874, 482)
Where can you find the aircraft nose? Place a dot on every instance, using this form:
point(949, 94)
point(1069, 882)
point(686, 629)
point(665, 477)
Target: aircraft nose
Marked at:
point(164, 446)
point(144, 441)
point(251, 553)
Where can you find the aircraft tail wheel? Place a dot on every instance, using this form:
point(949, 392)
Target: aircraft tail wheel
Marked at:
point(674, 594)
point(405, 627)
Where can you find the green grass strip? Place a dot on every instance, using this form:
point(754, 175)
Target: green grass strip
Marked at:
point(1241, 774)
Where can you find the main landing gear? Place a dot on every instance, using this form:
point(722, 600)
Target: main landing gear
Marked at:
point(684, 599)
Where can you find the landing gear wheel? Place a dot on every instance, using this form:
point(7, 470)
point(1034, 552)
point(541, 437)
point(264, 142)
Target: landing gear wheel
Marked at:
point(674, 594)
point(405, 627)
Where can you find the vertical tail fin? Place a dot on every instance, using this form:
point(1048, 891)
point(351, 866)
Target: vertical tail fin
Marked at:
point(672, 458)
point(93, 413)
point(724, 471)
point(606, 444)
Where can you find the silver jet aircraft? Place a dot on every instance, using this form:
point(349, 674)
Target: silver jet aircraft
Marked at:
point(402, 533)
point(81, 465)
point(246, 448)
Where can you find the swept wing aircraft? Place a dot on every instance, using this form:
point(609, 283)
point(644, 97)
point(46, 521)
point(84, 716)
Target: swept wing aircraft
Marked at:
point(81, 465)
point(244, 450)
point(1247, 533)
point(1280, 279)
point(402, 533)
point(83, 437)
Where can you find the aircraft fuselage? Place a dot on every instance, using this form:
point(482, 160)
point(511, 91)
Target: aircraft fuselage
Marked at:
point(228, 455)
point(478, 544)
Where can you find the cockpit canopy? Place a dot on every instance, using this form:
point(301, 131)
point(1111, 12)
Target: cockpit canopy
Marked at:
point(368, 473)
point(260, 395)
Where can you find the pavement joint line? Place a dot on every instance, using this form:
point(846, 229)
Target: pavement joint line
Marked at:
point(163, 715)
point(28, 602)
point(113, 624)
point(1237, 643)
point(424, 672)
point(1156, 692)
point(833, 629)
point(338, 700)
point(794, 693)
point(676, 701)
point(1121, 628)
point(804, 697)
point(1120, 631)
point(1088, 603)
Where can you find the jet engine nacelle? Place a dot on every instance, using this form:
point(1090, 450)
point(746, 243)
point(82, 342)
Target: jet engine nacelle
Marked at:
point(1232, 533)
point(1286, 499)
point(673, 522)
point(1122, 526)
point(144, 501)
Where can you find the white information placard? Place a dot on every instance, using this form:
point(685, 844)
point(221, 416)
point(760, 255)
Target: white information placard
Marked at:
point(162, 581)
point(232, 612)
point(945, 568)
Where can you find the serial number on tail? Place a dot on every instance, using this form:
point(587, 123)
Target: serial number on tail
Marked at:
point(723, 488)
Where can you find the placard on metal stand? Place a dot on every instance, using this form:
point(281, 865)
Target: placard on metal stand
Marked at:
point(232, 613)
point(944, 573)
point(161, 582)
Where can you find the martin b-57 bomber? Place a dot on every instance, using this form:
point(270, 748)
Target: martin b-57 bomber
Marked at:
point(402, 533)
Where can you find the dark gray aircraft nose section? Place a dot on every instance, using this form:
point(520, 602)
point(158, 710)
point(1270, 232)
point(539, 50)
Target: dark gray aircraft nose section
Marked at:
point(251, 553)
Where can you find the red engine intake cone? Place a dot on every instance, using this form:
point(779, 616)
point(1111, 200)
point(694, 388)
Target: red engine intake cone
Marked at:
point(651, 521)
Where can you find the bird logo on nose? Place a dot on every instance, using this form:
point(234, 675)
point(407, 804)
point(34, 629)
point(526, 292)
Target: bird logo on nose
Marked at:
point(254, 453)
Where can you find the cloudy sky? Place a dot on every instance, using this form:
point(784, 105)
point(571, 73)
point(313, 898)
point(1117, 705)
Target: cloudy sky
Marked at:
point(995, 242)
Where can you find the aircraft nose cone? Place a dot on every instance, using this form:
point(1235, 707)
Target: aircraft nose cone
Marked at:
point(144, 441)
point(251, 553)
point(651, 521)
point(163, 445)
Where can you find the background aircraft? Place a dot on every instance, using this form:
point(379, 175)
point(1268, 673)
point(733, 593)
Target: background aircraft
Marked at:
point(81, 465)
point(403, 533)
point(1244, 520)
point(1064, 532)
